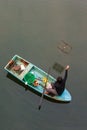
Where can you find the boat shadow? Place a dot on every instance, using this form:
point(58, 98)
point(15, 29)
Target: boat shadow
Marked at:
point(27, 88)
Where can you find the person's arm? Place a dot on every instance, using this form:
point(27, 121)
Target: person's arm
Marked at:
point(66, 72)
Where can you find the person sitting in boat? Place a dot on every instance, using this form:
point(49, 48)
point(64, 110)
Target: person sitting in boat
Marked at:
point(58, 86)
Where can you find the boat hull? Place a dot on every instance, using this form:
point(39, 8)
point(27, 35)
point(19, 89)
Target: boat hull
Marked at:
point(28, 74)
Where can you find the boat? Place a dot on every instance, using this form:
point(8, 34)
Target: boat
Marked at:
point(34, 77)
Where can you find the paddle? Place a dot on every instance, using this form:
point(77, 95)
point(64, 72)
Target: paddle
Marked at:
point(41, 99)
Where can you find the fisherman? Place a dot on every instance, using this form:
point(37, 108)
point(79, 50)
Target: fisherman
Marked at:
point(58, 87)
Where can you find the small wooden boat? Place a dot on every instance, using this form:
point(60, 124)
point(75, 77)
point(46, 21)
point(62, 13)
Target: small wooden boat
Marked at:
point(33, 77)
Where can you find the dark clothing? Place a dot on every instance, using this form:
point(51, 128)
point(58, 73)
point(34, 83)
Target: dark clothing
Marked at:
point(61, 86)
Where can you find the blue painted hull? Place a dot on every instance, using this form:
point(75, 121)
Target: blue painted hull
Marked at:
point(28, 72)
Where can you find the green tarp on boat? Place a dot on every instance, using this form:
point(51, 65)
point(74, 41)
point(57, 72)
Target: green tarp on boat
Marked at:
point(29, 78)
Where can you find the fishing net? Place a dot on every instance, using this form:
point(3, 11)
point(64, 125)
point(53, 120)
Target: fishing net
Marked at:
point(64, 47)
point(58, 67)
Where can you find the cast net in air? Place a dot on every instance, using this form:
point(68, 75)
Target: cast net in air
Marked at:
point(64, 47)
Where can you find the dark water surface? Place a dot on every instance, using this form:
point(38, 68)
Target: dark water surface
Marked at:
point(33, 29)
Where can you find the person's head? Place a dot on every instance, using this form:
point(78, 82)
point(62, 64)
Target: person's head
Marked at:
point(59, 79)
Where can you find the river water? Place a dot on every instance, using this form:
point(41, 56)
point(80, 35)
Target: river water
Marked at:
point(33, 29)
